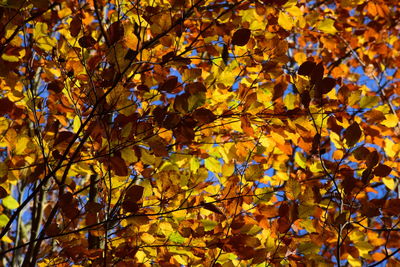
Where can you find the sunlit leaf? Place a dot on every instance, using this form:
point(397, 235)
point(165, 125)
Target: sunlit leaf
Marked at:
point(285, 21)
point(10, 203)
point(327, 26)
point(3, 220)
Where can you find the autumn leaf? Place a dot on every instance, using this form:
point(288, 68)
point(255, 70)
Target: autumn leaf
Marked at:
point(352, 134)
point(382, 170)
point(10, 203)
point(75, 26)
point(327, 26)
point(306, 68)
point(87, 41)
point(3, 192)
point(241, 37)
point(212, 207)
point(186, 133)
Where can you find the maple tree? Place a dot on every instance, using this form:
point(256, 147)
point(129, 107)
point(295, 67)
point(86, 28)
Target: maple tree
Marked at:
point(199, 133)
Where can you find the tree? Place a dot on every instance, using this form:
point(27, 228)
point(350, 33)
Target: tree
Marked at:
point(199, 133)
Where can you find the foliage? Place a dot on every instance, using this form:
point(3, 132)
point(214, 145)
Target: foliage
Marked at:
point(199, 133)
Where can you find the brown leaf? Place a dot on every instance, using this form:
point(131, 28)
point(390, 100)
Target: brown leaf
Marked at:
point(241, 37)
point(134, 193)
point(131, 54)
point(332, 124)
point(119, 166)
point(315, 144)
point(382, 170)
point(372, 159)
point(6, 106)
point(130, 206)
point(115, 32)
point(246, 125)
point(305, 98)
point(181, 103)
point(55, 86)
point(159, 146)
point(283, 225)
point(184, 134)
point(86, 41)
point(361, 153)
point(212, 207)
point(326, 85)
point(93, 207)
point(204, 115)
point(366, 175)
point(75, 26)
point(341, 219)
point(348, 184)
point(279, 89)
point(169, 85)
point(317, 73)
point(194, 88)
point(171, 121)
point(352, 134)
point(307, 68)
point(3, 192)
point(71, 212)
point(225, 54)
point(52, 230)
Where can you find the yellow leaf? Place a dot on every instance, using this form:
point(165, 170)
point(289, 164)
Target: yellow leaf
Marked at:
point(129, 155)
point(6, 239)
point(165, 228)
point(228, 169)
point(294, 11)
point(76, 124)
point(308, 248)
point(354, 261)
point(285, 21)
point(21, 145)
point(289, 101)
point(389, 182)
point(212, 165)
point(292, 188)
point(369, 101)
point(391, 120)
point(300, 160)
point(40, 35)
point(10, 203)
point(254, 172)
point(194, 164)
point(180, 260)
point(391, 148)
point(279, 139)
point(147, 238)
point(363, 247)
point(10, 58)
point(327, 26)
point(3, 220)
point(307, 224)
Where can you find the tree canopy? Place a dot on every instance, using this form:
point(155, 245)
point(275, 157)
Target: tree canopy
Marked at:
point(199, 132)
